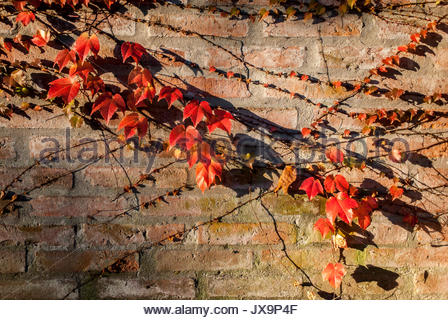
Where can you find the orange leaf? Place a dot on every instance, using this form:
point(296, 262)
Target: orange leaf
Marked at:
point(185, 138)
point(334, 274)
point(206, 174)
point(324, 226)
point(25, 17)
point(395, 192)
point(332, 183)
point(341, 205)
point(41, 38)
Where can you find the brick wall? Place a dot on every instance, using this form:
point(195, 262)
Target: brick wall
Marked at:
point(72, 238)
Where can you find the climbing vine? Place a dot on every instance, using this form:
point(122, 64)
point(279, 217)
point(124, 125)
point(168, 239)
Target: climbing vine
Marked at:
point(74, 82)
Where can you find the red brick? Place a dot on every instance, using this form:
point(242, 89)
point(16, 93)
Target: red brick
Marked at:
point(253, 287)
point(191, 205)
point(76, 206)
point(182, 288)
point(386, 233)
point(122, 235)
point(36, 289)
point(59, 177)
point(420, 257)
point(12, 260)
point(81, 261)
point(51, 236)
point(111, 235)
point(246, 233)
point(211, 25)
point(348, 25)
point(111, 177)
point(197, 260)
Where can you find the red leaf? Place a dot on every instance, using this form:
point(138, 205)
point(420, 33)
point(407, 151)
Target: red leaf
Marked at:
point(332, 183)
point(346, 133)
point(324, 226)
point(133, 123)
point(415, 37)
point(94, 84)
point(84, 44)
point(66, 88)
point(141, 77)
point(133, 50)
point(170, 95)
point(201, 152)
point(82, 69)
point(108, 104)
point(220, 119)
point(363, 214)
point(306, 132)
point(41, 38)
point(403, 48)
point(19, 5)
point(341, 205)
point(64, 56)
point(334, 155)
point(312, 187)
point(25, 17)
point(395, 192)
point(206, 174)
point(196, 111)
point(334, 274)
point(185, 138)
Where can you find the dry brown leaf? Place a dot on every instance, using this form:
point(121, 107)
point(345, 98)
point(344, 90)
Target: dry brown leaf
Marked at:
point(287, 177)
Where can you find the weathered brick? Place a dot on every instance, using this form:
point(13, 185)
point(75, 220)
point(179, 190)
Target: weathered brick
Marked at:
point(211, 25)
point(82, 261)
point(7, 150)
point(49, 236)
point(246, 234)
point(197, 260)
point(12, 260)
point(286, 57)
point(431, 282)
point(348, 25)
point(191, 205)
point(122, 235)
point(253, 287)
point(36, 289)
point(183, 288)
point(292, 205)
point(76, 206)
